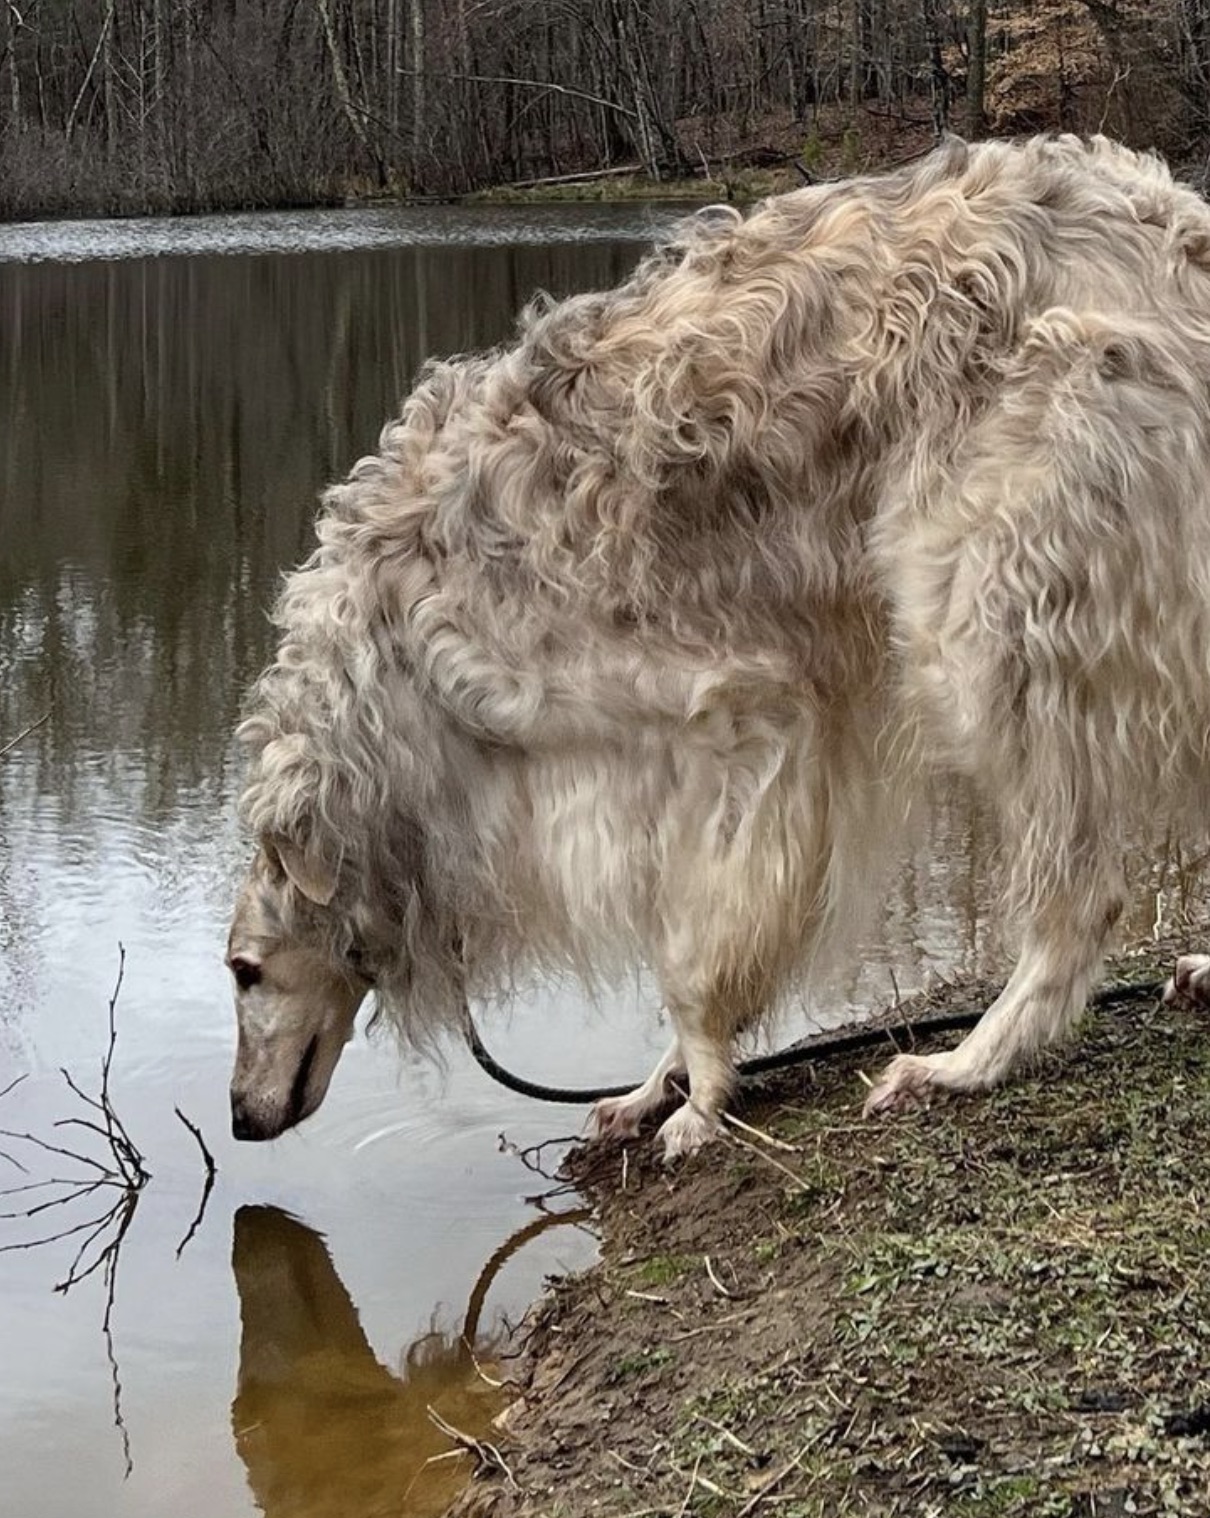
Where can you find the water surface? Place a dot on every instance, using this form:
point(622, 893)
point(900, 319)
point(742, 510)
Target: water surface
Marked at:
point(166, 424)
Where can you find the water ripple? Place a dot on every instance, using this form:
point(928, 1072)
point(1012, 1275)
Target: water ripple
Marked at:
point(330, 231)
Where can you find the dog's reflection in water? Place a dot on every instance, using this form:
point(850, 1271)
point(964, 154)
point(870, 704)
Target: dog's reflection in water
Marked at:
point(324, 1429)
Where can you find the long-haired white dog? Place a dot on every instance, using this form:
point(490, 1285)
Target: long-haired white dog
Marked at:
point(634, 639)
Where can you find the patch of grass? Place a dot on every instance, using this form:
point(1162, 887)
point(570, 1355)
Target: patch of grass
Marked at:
point(640, 1364)
point(661, 1270)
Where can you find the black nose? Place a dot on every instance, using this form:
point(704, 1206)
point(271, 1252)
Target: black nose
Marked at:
point(242, 1123)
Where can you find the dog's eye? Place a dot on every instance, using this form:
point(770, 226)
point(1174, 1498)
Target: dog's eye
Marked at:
point(246, 972)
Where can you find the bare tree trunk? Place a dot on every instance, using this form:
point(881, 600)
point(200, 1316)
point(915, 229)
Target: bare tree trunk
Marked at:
point(1195, 75)
point(108, 84)
point(15, 24)
point(976, 73)
point(344, 95)
point(941, 86)
point(188, 103)
point(653, 140)
point(101, 51)
point(394, 65)
point(419, 81)
point(157, 105)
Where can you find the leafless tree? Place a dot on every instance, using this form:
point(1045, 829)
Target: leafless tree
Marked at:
point(146, 104)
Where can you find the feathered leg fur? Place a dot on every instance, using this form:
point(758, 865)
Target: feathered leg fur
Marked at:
point(1046, 654)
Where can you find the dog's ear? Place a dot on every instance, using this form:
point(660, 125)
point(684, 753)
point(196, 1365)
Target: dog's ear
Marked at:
point(311, 875)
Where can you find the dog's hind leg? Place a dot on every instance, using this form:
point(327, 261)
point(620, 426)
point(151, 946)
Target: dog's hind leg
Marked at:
point(1058, 964)
point(1190, 978)
point(1052, 653)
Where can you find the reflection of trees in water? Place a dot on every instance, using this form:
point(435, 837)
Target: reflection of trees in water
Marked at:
point(940, 912)
point(324, 1429)
point(165, 428)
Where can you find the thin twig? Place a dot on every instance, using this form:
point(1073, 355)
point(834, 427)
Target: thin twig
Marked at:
point(207, 1185)
point(54, 1180)
point(123, 1211)
point(724, 1432)
point(531, 1157)
point(488, 1455)
point(724, 1291)
point(769, 1159)
point(544, 85)
point(207, 1157)
point(759, 1133)
point(114, 1253)
point(53, 1238)
point(90, 1101)
point(774, 1481)
point(684, 1507)
point(78, 1190)
point(494, 1382)
point(70, 1154)
point(129, 1158)
point(20, 738)
point(81, 1122)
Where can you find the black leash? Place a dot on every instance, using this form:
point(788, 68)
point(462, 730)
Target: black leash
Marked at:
point(813, 1051)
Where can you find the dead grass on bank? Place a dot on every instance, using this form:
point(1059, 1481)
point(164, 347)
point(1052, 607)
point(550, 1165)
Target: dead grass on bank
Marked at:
point(999, 1308)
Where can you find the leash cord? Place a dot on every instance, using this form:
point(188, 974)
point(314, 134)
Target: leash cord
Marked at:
point(814, 1051)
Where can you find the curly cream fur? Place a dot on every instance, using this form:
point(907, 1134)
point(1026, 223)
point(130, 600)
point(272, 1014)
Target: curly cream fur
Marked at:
point(634, 639)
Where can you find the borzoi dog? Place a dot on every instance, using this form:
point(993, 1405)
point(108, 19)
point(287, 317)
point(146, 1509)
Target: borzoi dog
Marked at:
point(635, 638)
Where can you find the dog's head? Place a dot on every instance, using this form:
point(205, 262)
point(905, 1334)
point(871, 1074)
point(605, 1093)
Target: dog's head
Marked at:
point(295, 999)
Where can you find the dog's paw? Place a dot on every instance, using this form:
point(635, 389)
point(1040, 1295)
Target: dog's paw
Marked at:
point(686, 1131)
point(1191, 978)
point(616, 1117)
point(909, 1081)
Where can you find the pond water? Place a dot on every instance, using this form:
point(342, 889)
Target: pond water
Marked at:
point(173, 396)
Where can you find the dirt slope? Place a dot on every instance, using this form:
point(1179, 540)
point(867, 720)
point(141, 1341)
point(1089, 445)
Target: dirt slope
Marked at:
point(999, 1307)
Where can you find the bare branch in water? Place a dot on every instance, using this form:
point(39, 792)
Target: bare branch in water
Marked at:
point(20, 738)
point(4, 1154)
point(130, 1161)
point(78, 1190)
point(120, 1174)
point(487, 1455)
point(207, 1185)
point(70, 1154)
point(98, 1224)
point(123, 1173)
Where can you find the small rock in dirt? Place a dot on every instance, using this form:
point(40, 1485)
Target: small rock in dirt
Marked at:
point(1101, 1399)
point(1194, 1424)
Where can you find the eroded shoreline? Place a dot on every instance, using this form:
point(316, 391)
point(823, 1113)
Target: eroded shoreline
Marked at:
point(1000, 1307)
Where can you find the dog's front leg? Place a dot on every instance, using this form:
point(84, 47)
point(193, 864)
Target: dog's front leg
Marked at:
point(620, 1116)
point(705, 1046)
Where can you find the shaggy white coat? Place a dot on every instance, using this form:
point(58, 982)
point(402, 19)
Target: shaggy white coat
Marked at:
point(634, 640)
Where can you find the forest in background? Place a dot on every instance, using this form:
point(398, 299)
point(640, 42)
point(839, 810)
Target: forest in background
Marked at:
point(126, 106)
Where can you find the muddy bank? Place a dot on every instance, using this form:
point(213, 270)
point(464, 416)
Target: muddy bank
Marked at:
point(1000, 1307)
